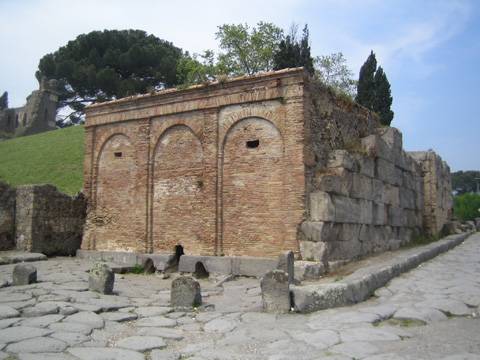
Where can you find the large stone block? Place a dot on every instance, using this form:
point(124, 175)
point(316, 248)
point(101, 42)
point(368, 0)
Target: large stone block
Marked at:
point(362, 187)
point(379, 214)
point(313, 251)
point(24, 274)
point(392, 137)
point(341, 159)
point(185, 293)
point(322, 207)
point(374, 146)
point(407, 198)
point(101, 278)
point(366, 165)
point(385, 171)
point(349, 232)
point(392, 195)
point(337, 184)
point(344, 250)
point(396, 216)
point(378, 191)
point(276, 292)
point(317, 231)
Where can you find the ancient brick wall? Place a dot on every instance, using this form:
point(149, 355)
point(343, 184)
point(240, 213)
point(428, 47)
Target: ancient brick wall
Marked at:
point(7, 217)
point(48, 221)
point(216, 169)
point(251, 167)
point(437, 183)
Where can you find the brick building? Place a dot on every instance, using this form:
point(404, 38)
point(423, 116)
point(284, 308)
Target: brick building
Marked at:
point(251, 166)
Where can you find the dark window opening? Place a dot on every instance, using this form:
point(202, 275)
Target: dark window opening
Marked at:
point(16, 120)
point(252, 144)
point(118, 154)
point(200, 271)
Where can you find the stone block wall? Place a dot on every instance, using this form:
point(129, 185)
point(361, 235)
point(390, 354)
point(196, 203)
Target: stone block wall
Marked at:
point(48, 221)
point(437, 183)
point(7, 217)
point(365, 200)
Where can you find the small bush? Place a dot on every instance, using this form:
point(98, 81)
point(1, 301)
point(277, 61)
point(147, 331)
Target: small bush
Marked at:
point(466, 206)
point(137, 269)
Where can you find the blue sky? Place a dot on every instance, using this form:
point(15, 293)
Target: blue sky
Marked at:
point(430, 50)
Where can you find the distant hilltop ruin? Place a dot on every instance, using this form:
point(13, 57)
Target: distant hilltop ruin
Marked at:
point(38, 114)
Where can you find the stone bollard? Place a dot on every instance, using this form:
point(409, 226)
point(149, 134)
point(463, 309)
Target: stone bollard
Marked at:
point(101, 278)
point(286, 262)
point(185, 292)
point(24, 274)
point(275, 292)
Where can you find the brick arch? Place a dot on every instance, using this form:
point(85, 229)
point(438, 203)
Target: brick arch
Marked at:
point(177, 194)
point(116, 170)
point(252, 188)
point(258, 111)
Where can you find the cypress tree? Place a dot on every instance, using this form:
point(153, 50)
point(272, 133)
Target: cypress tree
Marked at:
point(383, 97)
point(366, 83)
point(293, 53)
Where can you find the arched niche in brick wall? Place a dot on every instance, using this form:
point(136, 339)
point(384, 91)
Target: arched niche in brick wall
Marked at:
point(252, 189)
point(177, 191)
point(115, 193)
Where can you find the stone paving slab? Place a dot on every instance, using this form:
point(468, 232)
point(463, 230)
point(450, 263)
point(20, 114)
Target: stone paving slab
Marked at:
point(413, 309)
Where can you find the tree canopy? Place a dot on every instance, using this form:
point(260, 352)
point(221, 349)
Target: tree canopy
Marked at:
point(333, 70)
point(293, 52)
point(247, 51)
point(465, 181)
point(373, 90)
point(104, 65)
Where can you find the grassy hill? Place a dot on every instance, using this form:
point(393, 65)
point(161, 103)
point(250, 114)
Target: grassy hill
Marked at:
point(54, 157)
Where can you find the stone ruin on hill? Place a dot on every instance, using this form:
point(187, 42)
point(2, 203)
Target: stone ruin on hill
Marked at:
point(252, 167)
point(38, 115)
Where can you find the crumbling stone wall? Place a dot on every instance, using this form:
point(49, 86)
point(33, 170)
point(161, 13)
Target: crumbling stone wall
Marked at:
point(437, 183)
point(7, 217)
point(48, 221)
point(38, 114)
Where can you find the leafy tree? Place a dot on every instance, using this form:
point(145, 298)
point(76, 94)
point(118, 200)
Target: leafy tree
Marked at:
point(466, 206)
point(333, 71)
point(383, 97)
point(247, 51)
point(293, 52)
point(4, 101)
point(197, 68)
point(109, 64)
point(465, 181)
point(373, 90)
point(366, 83)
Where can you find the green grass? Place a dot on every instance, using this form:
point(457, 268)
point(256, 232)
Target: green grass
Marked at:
point(54, 157)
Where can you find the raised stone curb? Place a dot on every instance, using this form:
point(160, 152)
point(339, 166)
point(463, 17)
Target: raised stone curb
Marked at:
point(14, 258)
point(360, 285)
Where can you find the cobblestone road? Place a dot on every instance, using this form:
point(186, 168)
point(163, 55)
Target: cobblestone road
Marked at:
point(428, 313)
